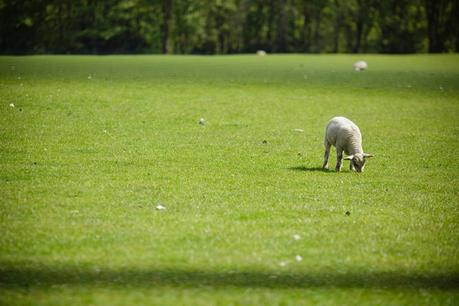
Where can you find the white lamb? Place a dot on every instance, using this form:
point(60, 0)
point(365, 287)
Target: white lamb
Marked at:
point(261, 52)
point(345, 136)
point(360, 65)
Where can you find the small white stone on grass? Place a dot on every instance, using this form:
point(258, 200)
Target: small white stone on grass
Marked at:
point(360, 65)
point(160, 207)
point(11, 104)
point(202, 121)
point(89, 77)
point(296, 237)
point(299, 130)
point(283, 263)
point(298, 258)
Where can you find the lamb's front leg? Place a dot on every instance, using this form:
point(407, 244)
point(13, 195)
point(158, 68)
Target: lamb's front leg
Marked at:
point(339, 158)
point(351, 165)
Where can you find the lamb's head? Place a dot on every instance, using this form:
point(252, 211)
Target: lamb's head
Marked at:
point(358, 160)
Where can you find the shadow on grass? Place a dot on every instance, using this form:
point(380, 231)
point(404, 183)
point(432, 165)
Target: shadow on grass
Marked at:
point(309, 169)
point(22, 277)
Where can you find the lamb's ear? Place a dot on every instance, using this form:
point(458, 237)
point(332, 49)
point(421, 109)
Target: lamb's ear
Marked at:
point(349, 157)
point(367, 155)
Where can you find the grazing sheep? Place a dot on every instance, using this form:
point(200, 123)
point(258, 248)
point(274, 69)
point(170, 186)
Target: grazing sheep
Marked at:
point(360, 65)
point(261, 52)
point(345, 136)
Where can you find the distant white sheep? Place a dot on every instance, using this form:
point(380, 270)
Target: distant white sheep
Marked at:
point(345, 136)
point(360, 65)
point(261, 52)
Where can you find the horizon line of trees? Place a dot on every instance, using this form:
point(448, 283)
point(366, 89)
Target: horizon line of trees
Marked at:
point(228, 27)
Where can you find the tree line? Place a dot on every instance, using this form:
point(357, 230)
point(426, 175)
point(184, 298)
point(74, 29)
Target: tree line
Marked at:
point(228, 26)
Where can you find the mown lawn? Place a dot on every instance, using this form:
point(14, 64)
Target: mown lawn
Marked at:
point(94, 144)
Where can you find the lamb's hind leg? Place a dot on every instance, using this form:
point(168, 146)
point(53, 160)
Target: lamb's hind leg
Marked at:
point(339, 158)
point(327, 154)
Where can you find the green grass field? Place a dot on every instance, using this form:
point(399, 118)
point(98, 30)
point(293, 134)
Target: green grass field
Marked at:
point(94, 144)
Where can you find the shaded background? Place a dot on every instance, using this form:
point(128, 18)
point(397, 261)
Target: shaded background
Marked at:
point(228, 26)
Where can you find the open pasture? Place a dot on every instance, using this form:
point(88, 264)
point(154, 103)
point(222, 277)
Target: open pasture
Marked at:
point(91, 145)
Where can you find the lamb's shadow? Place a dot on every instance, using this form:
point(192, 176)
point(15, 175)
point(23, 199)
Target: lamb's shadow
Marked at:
point(309, 169)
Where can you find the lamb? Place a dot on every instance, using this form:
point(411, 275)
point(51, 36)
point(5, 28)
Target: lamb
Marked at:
point(261, 52)
point(360, 65)
point(345, 136)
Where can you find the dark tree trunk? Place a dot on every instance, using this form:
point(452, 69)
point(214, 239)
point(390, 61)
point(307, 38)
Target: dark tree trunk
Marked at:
point(69, 27)
point(366, 32)
point(306, 31)
point(281, 38)
point(271, 24)
point(96, 27)
point(219, 22)
point(167, 10)
point(358, 36)
point(60, 26)
point(317, 32)
point(359, 26)
point(338, 23)
point(455, 23)
point(434, 10)
point(260, 20)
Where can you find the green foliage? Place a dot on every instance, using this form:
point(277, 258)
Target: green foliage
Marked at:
point(93, 144)
point(226, 27)
point(402, 26)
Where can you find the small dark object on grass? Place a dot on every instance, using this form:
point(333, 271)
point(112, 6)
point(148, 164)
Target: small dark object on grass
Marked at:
point(20, 109)
point(348, 213)
point(265, 141)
